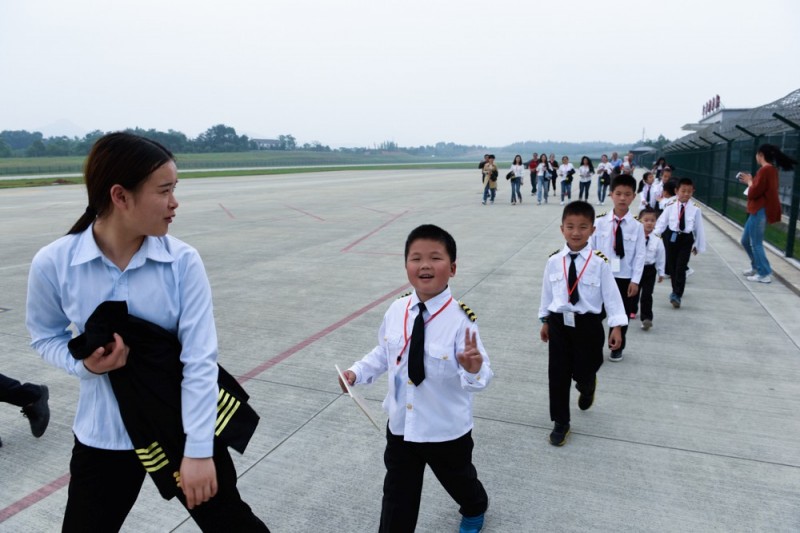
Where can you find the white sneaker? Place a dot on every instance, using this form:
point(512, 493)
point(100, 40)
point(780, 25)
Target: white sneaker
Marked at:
point(760, 279)
point(689, 271)
point(562, 203)
point(749, 272)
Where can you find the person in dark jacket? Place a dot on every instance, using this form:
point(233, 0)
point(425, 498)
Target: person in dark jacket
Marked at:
point(119, 250)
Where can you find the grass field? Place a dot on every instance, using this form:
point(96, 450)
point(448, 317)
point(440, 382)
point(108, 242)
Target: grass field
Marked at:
point(21, 166)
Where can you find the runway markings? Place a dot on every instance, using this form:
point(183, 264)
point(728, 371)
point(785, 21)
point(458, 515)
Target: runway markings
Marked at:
point(305, 213)
point(226, 211)
point(373, 232)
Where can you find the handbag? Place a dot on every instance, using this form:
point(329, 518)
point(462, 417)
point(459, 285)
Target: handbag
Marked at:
point(510, 175)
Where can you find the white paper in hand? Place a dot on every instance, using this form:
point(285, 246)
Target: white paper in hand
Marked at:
point(358, 399)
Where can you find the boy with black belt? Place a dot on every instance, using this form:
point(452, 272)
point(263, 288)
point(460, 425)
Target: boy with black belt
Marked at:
point(577, 285)
point(654, 262)
point(430, 345)
point(621, 238)
point(685, 221)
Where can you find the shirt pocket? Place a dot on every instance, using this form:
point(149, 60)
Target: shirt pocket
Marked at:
point(441, 362)
point(590, 283)
point(394, 349)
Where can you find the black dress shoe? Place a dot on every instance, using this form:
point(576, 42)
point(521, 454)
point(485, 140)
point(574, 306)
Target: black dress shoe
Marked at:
point(38, 413)
point(585, 400)
point(558, 437)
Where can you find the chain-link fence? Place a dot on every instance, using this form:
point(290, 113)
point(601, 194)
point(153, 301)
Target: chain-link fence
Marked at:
point(712, 156)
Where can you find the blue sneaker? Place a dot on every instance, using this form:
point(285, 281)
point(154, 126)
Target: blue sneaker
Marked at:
point(675, 300)
point(471, 524)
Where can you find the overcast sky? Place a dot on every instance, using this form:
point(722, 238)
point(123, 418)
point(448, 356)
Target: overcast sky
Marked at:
point(358, 72)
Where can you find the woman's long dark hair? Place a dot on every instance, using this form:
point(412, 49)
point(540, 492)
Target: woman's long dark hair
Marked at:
point(588, 162)
point(773, 155)
point(117, 158)
point(515, 159)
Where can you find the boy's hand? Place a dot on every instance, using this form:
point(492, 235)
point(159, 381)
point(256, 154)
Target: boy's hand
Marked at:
point(350, 376)
point(660, 279)
point(694, 251)
point(615, 339)
point(544, 333)
point(471, 358)
point(633, 289)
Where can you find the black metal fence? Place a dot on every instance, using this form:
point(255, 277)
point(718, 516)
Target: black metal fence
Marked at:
point(712, 166)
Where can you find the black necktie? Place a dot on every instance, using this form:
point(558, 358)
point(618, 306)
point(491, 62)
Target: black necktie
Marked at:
point(646, 240)
point(572, 281)
point(416, 352)
point(619, 249)
point(681, 221)
point(647, 197)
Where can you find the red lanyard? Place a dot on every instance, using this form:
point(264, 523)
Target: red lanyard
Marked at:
point(570, 290)
point(405, 325)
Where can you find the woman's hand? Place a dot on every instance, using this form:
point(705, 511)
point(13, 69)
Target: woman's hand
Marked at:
point(110, 357)
point(198, 480)
point(746, 178)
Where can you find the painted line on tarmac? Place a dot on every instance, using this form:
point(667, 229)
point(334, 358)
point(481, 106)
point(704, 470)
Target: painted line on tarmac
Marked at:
point(373, 232)
point(305, 213)
point(318, 335)
point(226, 211)
point(34, 497)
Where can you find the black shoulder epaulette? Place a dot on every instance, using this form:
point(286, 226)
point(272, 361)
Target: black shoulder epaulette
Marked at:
point(601, 215)
point(695, 204)
point(405, 294)
point(470, 313)
point(554, 253)
point(601, 255)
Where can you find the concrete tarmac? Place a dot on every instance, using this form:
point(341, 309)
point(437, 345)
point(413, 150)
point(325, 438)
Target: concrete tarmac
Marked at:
point(697, 429)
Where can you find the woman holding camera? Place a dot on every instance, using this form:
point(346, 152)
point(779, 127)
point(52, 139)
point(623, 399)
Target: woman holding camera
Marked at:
point(763, 207)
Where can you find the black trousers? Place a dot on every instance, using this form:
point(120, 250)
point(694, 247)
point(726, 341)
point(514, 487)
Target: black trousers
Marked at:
point(15, 393)
point(533, 182)
point(574, 353)
point(451, 462)
point(104, 485)
point(666, 236)
point(630, 305)
point(646, 287)
point(678, 257)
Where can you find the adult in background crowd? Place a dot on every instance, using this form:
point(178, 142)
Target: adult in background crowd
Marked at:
point(658, 167)
point(489, 179)
point(532, 164)
point(763, 207)
point(585, 173)
point(482, 163)
point(553, 172)
point(518, 170)
point(604, 170)
point(543, 170)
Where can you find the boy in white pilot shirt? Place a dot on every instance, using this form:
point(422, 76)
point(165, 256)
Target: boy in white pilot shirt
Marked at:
point(621, 238)
point(431, 381)
point(685, 222)
point(647, 198)
point(654, 262)
point(577, 285)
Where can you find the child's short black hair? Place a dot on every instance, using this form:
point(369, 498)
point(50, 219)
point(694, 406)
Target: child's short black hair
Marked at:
point(670, 187)
point(624, 180)
point(432, 233)
point(647, 211)
point(685, 181)
point(579, 208)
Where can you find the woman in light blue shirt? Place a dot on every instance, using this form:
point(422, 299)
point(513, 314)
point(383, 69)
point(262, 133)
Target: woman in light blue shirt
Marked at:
point(119, 250)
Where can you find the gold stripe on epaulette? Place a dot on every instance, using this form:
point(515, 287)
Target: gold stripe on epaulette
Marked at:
point(153, 457)
point(554, 253)
point(601, 255)
point(601, 215)
point(470, 313)
point(226, 407)
point(405, 294)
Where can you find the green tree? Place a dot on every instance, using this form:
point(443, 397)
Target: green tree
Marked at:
point(36, 149)
point(5, 149)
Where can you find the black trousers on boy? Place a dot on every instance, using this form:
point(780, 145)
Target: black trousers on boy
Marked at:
point(630, 305)
point(678, 257)
point(646, 288)
point(16, 393)
point(451, 462)
point(104, 485)
point(574, 353)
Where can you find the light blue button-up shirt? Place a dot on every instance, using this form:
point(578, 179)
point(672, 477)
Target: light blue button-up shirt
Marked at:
point(164, 283)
